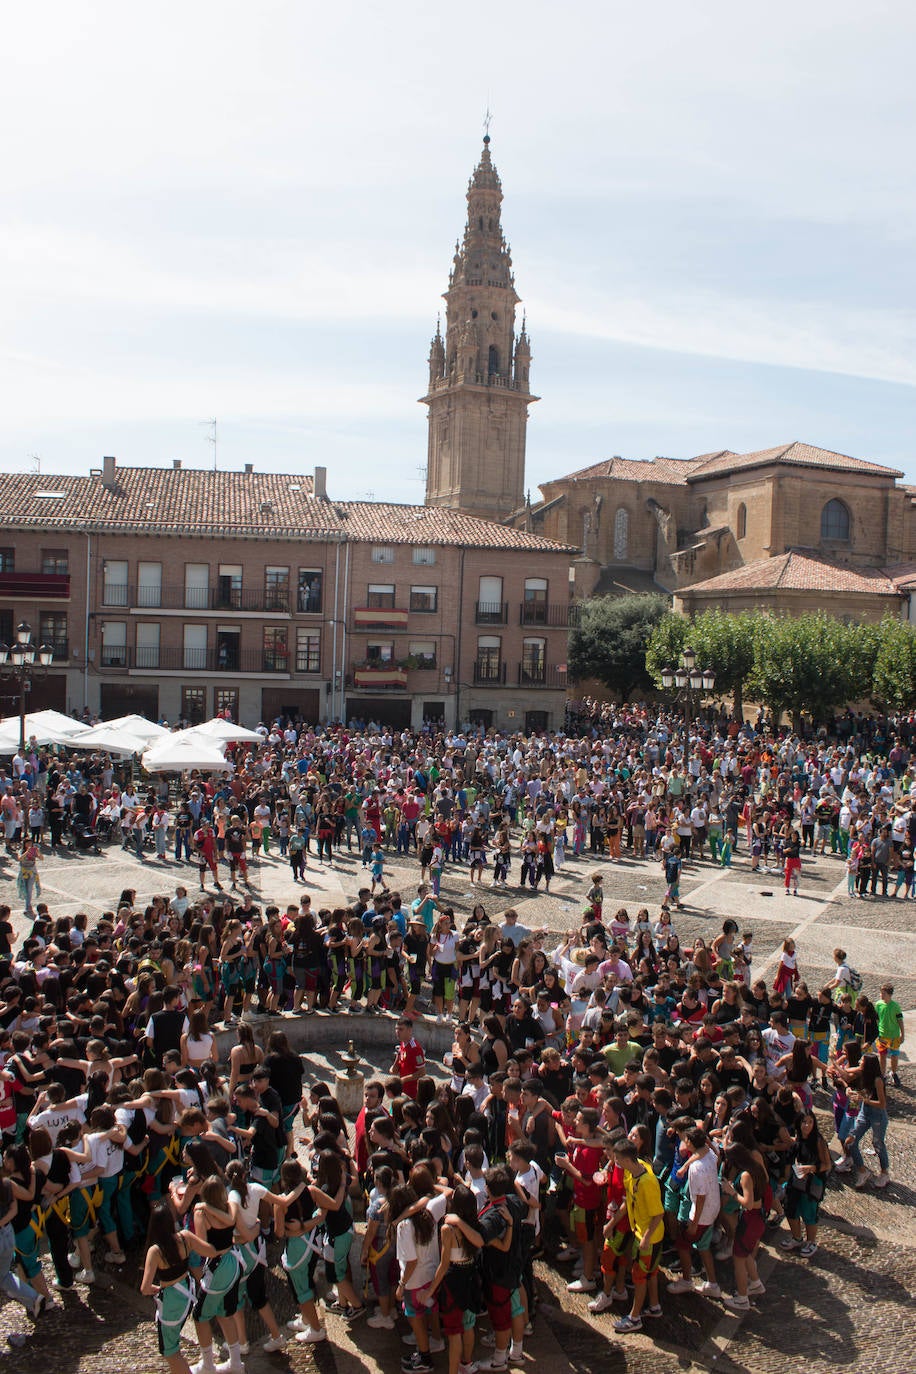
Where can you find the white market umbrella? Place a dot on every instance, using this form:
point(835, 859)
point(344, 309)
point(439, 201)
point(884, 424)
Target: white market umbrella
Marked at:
point(47, 727)
point(225, 730)
point(179, 754)
point(112, 741)
point(138, 725)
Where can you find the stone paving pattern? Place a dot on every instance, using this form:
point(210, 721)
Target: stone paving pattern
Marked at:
point(851, 1306)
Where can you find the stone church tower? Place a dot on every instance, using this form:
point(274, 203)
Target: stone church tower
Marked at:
point(478, 393)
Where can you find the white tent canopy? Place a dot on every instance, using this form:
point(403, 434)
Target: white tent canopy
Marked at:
point(139, 726)
point(46, 727)
point(110, 740)
point(220, 729)
point(183, 751)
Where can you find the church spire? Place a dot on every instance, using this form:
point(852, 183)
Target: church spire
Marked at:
point(479, 390)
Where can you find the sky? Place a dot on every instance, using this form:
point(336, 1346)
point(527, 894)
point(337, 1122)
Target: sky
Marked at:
point(247, 212)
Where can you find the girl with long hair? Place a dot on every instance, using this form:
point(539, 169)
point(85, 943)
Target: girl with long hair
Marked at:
point(167, 1278)
point(810, 1165)
point(749, 1189)
point(245, 1201)
point(218, 1292)
point(455, 1284)
point(296, 1218)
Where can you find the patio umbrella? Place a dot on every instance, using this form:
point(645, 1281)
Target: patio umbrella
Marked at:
point(179, 754)
point(225, 730)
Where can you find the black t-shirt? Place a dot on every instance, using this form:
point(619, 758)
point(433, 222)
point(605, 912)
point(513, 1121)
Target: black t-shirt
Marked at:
point(518, 1031)
point(267, 1139)
point(500, 1267)
point(286, 1074)
point(235, 839)
point(6, 931)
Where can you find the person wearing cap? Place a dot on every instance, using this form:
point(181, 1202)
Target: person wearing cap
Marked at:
point(416, 951)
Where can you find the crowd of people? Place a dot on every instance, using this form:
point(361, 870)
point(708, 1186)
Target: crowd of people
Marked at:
point(616, 1099)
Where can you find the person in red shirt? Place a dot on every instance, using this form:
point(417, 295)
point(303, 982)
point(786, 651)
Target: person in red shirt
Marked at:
point(205, 844)
point(618, 1236)
point(373, 1101)
point(586, 1155)
point(409, 1060)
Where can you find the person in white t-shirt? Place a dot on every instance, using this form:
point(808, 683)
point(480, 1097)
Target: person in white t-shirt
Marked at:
point(245, 1199)
point(697, 1215)
point(417, 1252)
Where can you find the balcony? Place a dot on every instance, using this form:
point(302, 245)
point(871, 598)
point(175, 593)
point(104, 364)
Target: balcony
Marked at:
point(387, 677)
point(244, 662)
point(379, 618)
point(35, 586)
point(553, 615)
point(491, 613)
point(258, 601)
point(489, 673)
point(542, 675)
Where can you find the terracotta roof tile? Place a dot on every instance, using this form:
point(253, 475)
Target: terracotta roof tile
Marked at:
point(674, 470)
point(796, 571)
point(796, 454)
point(184, 501)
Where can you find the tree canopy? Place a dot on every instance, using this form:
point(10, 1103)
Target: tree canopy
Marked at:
point(611, 639)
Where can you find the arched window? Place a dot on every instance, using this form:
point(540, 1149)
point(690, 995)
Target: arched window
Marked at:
point(742, 520)
point(835, 522)
point(621, 535)
point(493, 363)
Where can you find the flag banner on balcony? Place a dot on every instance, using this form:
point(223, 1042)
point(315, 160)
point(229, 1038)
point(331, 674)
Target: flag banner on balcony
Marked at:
point(381, 677)
point(371, 616)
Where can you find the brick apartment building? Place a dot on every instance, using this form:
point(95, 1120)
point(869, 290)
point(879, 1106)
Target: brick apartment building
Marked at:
point(178, 593)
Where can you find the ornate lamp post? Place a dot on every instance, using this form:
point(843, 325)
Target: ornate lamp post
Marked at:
point(691, 683)
point(22, 662)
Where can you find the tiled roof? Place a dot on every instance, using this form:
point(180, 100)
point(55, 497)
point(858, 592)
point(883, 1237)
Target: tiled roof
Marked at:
point(636, 470)
point(189, 501)
point(796, 571)
point(797, 454)
point(903, 575)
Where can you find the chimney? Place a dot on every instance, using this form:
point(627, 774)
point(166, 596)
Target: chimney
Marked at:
point(176, 465)
point(249, 469)
point(108, 474)
point(320, 484)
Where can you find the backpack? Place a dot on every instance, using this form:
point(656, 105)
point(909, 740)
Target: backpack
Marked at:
point(855, 979)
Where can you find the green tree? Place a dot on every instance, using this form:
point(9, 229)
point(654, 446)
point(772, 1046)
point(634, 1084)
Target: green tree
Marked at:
point(727, 644)
point(807, 663)
point(894, 679)
point(666, 644)
point(609, 643)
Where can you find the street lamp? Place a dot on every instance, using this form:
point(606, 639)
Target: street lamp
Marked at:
point(21, 662)
point(691, 683)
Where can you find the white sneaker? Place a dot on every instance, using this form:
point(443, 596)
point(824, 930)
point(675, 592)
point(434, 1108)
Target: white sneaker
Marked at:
point(203, 1367)
point(84, 1276)
point(274, 1343)
point(74, 1260)
point(737, 1303)
point(843, 1166)
point(581, 1286)
point(227, 1367)
point(681, 1286)
point(710, 1290)
point(297, 1324)
point(436, 1345)
point(380, 1322)
point(312, 1335)
point(757, 1288)
point(603, 1303)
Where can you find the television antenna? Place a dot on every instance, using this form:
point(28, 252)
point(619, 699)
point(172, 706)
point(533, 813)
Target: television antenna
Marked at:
point(212, 438)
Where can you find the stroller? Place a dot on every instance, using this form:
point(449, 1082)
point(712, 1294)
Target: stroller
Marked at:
point(84, 838)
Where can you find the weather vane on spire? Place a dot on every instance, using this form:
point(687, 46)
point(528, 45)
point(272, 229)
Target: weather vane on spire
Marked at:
point(487, 120)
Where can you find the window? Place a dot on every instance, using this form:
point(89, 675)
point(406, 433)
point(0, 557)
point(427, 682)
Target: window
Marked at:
point(148, 644)
point(228, 648)
point(308, 651)
point(621, 535)
point(381, 596)
point(534, 611)
point(114, 644)
point(309, 593)
point(424, 651)
point(534, 660)
point(425, 599)
point(424, 555)
point(229, 587)
point(382, 553)
point(7, 560)
point(149, 584)
point(490, 608)
point(226, 702)
point(114, 583)
point(835, 522)
point(276, 589)
point(195, 648)
point(197, 586)
point(379, 651)
point(741, 522)
point(194, 704)
point(55, 562)
point(276, 649)
point(52, 630)
point(488, 667)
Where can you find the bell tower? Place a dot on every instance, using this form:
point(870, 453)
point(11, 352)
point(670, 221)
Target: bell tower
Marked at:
point(479, 393)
